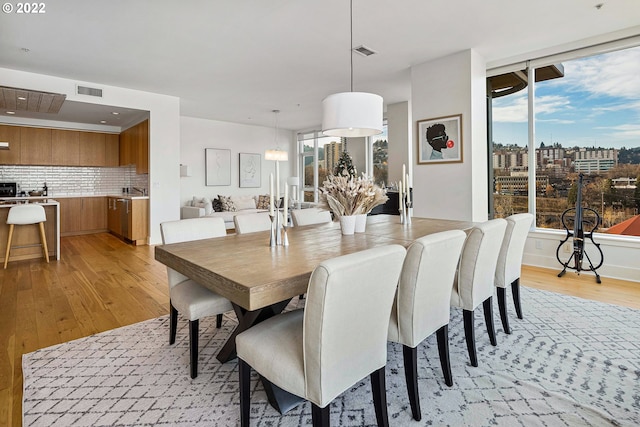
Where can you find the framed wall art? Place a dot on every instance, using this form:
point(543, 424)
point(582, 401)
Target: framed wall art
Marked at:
point(440, 140)
point(250, 170)
point(217, 166)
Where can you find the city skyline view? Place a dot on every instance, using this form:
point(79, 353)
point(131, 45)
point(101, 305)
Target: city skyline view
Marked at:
point(595, 104)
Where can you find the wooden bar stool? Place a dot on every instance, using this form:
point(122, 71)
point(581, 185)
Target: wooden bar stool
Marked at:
point(24, 215)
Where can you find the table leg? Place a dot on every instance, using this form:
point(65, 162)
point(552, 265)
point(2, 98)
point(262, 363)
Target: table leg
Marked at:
point(247, 319)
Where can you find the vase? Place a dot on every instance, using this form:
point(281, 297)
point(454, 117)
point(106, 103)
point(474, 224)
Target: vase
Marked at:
point(347, 224)
point(361, 223)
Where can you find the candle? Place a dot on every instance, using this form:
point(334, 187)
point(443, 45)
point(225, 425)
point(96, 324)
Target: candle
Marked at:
point(278, 183)
point(270, 194)
point(400, 195)
point(286, 203)
point(404, 177)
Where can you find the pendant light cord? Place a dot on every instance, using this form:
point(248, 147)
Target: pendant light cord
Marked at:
point(351, 45)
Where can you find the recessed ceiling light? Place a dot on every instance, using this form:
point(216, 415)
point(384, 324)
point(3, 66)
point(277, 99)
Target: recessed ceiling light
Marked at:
point(11, 112)
point(115, 113)
point(24, 49)
point(599, 6)
point(103, 121)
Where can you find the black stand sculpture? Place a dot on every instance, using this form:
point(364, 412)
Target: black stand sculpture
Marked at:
point(579, 235)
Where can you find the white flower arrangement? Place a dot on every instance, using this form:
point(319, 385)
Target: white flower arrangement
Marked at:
point(346, 195)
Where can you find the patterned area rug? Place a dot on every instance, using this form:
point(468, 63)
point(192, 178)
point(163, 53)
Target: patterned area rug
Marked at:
point(569, 362)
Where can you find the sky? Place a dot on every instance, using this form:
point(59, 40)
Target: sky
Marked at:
point(596, 103)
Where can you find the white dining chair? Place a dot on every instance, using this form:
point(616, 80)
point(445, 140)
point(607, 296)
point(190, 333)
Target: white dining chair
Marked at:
point(251, 223)
point(422, 304)
point(186, 296)
point(509, 266)
point(474, 280)
point(318, 353)
point(310, 216)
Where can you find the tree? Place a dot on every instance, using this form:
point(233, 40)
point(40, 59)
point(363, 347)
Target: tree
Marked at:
point(345, 166)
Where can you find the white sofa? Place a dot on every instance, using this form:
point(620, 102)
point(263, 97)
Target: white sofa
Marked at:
point(200, 207)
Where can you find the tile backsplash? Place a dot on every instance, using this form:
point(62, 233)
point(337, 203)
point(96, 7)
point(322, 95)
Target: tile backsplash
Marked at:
point(74, 180)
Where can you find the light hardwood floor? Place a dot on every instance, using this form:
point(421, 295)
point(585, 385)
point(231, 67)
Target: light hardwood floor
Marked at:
point(101, 283)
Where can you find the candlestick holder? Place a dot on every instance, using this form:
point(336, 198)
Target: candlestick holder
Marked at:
point(273, 241)
point(285, 239)
point(407, 211)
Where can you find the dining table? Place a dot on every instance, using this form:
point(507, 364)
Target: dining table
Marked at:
point(260, 279)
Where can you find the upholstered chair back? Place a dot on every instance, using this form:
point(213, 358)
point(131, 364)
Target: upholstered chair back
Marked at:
point(251, 223)
point(509, 264)
point(30, 213)
point(346, 318)
point(186, 230)
point(422, 303)
point(478, 261)
point(309, 216)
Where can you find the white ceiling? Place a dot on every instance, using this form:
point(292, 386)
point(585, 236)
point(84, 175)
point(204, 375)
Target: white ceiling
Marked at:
point(237, 60)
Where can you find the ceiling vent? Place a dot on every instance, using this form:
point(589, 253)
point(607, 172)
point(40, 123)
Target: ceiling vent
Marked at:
point(91, 91)
point(33, 101)
point(364, 51)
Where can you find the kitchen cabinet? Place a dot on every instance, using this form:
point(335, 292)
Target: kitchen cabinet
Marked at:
point(112, 150)
point(65, 147)
point(35, 146)
point(134, 147)
point(82, 215)
point(129, 218)
point(91, 149)
point(10, 134)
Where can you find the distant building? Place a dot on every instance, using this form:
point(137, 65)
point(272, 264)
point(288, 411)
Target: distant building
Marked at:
point(510, 159)
point(629, 183)
point(517, 184)
point(332, 153)
point(595, 160)
point(550, 156)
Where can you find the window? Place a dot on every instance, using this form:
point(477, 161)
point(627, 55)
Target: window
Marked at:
point(586, 121)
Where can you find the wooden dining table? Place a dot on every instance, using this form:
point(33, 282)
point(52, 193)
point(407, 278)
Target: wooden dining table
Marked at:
point(260, 280)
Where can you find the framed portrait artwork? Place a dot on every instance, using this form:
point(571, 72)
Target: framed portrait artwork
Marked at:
point(217, 166)
point(440, 140)
point(250, 170)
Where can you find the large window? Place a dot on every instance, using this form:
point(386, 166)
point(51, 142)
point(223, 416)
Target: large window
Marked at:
point(587, 120)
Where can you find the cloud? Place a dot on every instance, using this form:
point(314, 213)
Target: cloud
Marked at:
point(514, 109)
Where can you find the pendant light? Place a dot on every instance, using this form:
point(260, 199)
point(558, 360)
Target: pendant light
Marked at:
point(276, 153)
point(352, 114)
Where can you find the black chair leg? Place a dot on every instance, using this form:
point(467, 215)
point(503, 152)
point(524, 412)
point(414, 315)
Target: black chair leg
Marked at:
point(219, 321)
point(502, 305)
point(469, 335)
point(410, 356)
point(319, 416)
point(515, 289)
point(379, 389)
point(487, 306)
point(173, 323)
point(193, 346)
point(245, 393)
point(443, 351)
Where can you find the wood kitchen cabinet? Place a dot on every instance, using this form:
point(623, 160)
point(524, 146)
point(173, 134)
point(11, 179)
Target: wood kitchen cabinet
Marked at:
point(65, 147)
point(10, 134)
point(129, 219)
point(82, 215)
point(35, 146)
point(112, 150)
point(134, 147)
point(92, 149)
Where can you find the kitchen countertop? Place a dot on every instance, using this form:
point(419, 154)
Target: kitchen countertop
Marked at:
point(13, 201)
point(70, 196)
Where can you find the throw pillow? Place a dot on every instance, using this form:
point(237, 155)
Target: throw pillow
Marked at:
point(203, 202)
point(217, 205)
point(263, 202)
point(244, 202)
point(227, 204)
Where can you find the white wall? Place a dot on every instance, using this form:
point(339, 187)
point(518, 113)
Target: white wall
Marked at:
point(447, 86)
point(164, 134)
point(198, 134)
point(400, 140)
